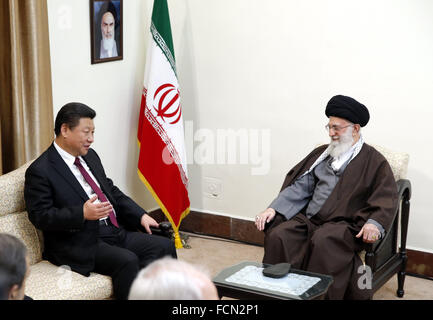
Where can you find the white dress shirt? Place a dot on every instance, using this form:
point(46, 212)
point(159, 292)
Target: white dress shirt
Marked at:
point(69, 160)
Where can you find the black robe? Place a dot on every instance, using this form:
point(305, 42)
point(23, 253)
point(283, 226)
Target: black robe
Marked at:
point(326, 243)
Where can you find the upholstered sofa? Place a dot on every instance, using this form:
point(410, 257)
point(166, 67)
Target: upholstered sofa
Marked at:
point(46, 281)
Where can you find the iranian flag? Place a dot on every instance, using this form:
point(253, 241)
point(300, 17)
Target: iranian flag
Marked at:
point(162, 160)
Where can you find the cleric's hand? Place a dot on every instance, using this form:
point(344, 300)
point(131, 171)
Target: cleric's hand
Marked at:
point(147, 222)
point(369, 232)
point(264, 217)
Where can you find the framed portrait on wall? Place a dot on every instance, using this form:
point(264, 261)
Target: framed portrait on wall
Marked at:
point(106, 29)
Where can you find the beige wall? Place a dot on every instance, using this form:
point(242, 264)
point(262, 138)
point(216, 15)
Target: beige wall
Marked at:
point(264, 67)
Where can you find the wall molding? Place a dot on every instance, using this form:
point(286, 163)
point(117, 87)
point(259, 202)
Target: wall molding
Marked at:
point(218, 226)
point(419, 262)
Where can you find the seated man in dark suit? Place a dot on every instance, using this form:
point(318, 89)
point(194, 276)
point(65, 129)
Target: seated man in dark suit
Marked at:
point(87, 222)
point(339, 196)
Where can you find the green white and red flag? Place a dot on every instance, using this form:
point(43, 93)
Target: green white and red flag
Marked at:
point(162, 160)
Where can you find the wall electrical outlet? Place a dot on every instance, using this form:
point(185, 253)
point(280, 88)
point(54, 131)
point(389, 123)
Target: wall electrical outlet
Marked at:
point(212, 188)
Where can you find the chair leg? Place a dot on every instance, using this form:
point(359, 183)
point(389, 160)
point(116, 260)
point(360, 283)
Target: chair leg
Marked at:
point(401, 276)
point(404, 223)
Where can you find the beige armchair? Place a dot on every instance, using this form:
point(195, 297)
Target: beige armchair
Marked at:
point(46, 281)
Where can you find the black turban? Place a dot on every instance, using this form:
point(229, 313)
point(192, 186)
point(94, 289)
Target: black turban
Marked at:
point(349, 109)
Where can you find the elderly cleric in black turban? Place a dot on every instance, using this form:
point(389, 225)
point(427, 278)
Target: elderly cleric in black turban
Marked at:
point(347, 108)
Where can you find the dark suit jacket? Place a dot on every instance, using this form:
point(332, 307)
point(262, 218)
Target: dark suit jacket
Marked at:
point(54, 200)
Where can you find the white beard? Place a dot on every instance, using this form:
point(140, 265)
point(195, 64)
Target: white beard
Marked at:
point(108, 44)
point(339, 147)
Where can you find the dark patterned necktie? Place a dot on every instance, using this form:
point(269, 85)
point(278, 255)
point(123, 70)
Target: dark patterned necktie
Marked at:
point(95, 188)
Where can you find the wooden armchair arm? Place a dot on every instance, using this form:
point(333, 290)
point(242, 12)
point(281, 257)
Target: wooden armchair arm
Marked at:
point(164, 229)
point(404, 195)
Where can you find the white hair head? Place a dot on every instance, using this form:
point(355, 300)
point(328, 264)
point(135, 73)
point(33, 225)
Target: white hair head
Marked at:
point(171, 279)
